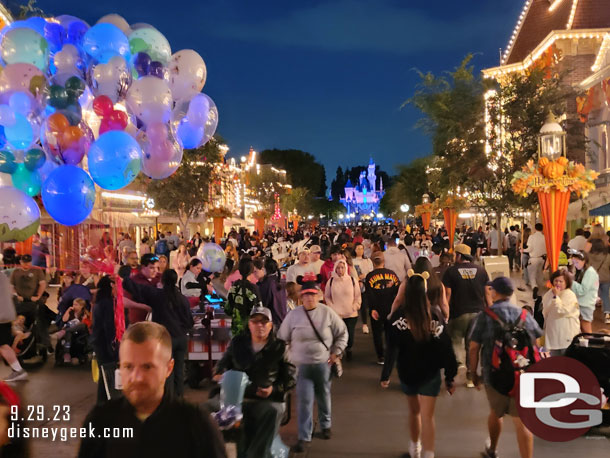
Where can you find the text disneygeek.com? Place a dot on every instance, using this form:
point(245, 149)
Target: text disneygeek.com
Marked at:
point(64, 433)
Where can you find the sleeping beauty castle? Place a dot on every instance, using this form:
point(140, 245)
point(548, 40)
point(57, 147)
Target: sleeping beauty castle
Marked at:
point(362, 199)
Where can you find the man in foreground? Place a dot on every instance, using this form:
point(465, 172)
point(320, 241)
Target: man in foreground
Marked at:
point(160, 426)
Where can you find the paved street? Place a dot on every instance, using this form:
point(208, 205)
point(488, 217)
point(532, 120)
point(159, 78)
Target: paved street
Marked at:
point(367, 421)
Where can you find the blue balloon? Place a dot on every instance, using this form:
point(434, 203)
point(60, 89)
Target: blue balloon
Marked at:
point(54, 33)
point(104, 41)
point(7, 162)
point(20, 135)
point(20, 103)
point(26, 180)
point(68, 195)
point(189, 135)
point(74, 29)
point(114, 160)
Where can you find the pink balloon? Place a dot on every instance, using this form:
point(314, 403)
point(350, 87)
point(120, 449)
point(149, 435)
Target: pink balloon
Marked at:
point(157, 132)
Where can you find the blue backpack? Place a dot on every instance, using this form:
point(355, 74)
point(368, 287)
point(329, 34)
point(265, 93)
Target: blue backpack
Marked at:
point(161, 247)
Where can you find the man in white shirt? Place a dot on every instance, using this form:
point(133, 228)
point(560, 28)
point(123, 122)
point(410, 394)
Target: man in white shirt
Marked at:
point(314, 259)
point(396, 260)
point(536, 247)
point(301, 267)
point(492, 241)
point(579, 241)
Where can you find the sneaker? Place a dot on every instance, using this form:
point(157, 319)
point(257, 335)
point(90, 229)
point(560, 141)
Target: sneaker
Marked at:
point(380, 361)
point(607, 318)
point(489, 453)
point(67, 358)
point(299, 447)
point(469, 384)
point(17, 375)
point(326, 434)
point(415, 449)
point(365, 329)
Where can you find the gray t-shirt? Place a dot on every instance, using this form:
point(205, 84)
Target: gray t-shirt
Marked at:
point(305, 347)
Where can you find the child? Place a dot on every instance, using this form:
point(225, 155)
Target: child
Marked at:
point(18, 331)
point(76, 319)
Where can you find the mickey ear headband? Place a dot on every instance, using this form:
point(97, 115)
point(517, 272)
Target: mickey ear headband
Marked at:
point(424, 275)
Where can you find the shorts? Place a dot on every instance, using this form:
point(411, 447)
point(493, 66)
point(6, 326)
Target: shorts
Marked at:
point(501, 404)
point(6, 336)
point(586, 313)
point(430, 387)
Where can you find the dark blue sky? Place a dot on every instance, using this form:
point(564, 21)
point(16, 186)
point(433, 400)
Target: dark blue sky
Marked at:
point(324, 76)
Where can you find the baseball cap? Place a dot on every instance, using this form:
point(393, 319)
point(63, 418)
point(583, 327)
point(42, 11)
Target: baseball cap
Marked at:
point(26, 258)
point(463, 249)
point(576, 254)
point(502, 285)
point(315, 249)
point(261, 311)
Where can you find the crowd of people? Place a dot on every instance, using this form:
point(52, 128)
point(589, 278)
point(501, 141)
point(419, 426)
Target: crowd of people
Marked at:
point(294, 299)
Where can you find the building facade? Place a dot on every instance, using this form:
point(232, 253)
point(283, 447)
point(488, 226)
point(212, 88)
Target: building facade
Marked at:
point(362, 199)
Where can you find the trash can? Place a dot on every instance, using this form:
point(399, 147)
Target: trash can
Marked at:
point(496, 266)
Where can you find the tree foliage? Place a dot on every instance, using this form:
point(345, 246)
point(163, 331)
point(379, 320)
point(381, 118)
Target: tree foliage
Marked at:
point(185, 194)
point(407, 187)
point(302, 168)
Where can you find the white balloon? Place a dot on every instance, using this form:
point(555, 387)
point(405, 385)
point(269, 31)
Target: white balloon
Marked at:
point(187, 74)
point(68, 61)
point(150, 99)
point(117, 21)
point(112, 79)
point(6, 179)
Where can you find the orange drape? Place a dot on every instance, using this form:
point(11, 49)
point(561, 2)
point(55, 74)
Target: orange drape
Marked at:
point(218, 228)
point(24, 247)
point(425, 220)
point(450, 216)
point(554, 209)
point(259, 226)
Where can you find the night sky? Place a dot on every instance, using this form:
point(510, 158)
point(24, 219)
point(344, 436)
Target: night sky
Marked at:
point(327, 77)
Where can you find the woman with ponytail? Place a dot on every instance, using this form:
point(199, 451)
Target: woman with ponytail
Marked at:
point(418, 339)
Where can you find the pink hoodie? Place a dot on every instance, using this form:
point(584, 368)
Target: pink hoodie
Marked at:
point(342, 293)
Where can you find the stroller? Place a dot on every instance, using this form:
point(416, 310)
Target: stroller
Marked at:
point(593, 350)
point(31, 346)
point(79, 347)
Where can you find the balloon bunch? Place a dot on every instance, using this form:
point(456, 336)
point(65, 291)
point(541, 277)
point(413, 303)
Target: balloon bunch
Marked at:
point(113, 92)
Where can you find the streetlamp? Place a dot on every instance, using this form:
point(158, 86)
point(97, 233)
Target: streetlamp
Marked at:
point(425, 199)
point(552, 139)
point(405, 209)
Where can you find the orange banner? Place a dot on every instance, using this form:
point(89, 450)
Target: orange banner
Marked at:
point(450, 216)
point(425, 220)
point(218, 228)
point(259, 226)
point(554, 209)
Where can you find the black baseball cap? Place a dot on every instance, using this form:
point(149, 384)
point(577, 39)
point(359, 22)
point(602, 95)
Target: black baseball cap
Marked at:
point(148, 258)
point(26, 258)
point(502, 285)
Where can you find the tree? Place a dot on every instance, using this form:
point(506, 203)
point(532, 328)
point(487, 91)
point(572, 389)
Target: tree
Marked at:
point(302, 168)
point(185, 194)
point(337, 186)
point(329, 208)
point(480, 159)
point(300, 199)
point(407, 187)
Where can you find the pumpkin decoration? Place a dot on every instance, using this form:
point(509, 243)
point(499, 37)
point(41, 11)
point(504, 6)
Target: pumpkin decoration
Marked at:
point(553, 170)
point(562, 161)
point(543, 162)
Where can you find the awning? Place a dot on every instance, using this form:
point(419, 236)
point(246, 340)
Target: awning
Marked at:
point(604, 210)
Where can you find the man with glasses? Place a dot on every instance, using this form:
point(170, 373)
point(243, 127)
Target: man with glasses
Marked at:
point(148, 274)
point(262, 356)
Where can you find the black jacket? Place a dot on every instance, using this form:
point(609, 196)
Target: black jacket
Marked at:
point(177, 320)
point(176, 429)
point(270, 366)
point(417, 362)
point(103, 331)
point(381, 286)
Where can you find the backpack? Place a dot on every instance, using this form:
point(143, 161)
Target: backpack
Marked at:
point(512, 241)
point(161, 247)
point(513, 352)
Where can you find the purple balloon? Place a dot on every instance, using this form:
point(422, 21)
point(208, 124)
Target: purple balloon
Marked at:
point(157, 69)
point(141, 63)
point(73, 156)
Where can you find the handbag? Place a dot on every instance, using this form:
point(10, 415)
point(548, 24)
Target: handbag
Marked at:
point(336, 369)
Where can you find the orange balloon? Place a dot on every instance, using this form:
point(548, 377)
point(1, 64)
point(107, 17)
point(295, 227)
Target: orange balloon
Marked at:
point(58, 122)
point(70, 136)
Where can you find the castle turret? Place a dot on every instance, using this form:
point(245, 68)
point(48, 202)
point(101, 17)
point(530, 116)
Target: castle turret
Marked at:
point(371, 174)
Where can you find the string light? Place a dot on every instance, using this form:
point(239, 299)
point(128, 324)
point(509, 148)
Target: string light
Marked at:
point(554, 4)
point(602, 53)
point(572, 14)
point(516, 31)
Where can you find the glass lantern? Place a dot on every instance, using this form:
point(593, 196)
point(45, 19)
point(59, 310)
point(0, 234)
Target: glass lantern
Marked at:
point(425, 199)
point(552, 140)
